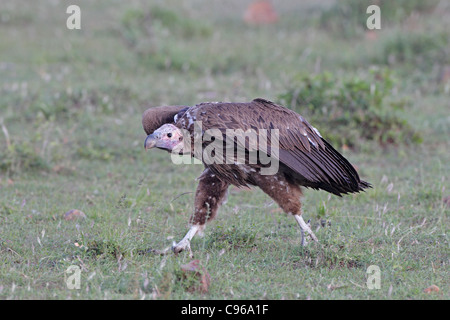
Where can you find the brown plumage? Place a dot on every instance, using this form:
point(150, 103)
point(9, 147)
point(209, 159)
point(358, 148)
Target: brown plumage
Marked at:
point(305, 158)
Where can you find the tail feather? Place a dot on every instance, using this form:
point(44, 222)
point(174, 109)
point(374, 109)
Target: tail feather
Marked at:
point(324, 168)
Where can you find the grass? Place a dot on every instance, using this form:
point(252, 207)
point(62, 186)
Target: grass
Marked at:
point(70, 111)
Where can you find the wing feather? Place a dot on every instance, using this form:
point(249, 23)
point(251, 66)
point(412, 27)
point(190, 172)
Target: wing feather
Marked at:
point(311, 159)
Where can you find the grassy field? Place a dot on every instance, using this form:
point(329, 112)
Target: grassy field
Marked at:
point(71, 138)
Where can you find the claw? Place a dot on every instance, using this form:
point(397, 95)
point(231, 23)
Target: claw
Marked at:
point(176, 248)
point(156, 251)
point(181, 246)
point(303, 242)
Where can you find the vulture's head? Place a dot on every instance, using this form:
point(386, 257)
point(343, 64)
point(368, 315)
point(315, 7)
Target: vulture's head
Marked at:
point(167, 137)
point(158, 123)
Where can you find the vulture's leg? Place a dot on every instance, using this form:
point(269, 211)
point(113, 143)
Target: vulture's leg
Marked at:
point(304, 227)
point(211, 193)
point(287, 195)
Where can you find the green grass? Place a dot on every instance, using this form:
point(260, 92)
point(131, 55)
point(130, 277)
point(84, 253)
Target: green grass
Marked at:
point(71, 138)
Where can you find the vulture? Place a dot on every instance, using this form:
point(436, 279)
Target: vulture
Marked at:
point(258, 143)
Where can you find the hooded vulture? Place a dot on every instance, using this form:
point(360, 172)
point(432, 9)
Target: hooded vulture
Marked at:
point(258, 143)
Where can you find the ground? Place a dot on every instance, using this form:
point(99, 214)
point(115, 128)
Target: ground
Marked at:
point(70, 109)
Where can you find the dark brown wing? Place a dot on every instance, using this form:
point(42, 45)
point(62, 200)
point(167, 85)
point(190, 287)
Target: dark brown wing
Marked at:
point(310, 159)
point(155, 117)
point(295, 131)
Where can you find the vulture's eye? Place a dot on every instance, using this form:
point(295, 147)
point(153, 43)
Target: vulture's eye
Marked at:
point(169, 135)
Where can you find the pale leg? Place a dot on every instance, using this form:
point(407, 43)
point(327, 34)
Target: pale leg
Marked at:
point(304, 227)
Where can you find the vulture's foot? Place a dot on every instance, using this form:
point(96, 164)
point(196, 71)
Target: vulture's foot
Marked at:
point(304, 227)
point(186, 242)
point(181, 246)
point(175, 248)
point(156, 251)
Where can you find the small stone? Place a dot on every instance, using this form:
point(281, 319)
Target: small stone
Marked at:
point(432, 288)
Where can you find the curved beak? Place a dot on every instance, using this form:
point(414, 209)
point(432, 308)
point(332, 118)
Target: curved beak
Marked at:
point(150, 141)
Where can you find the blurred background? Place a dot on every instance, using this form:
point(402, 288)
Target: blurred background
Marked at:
point(71, 103)
point(79, 94)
